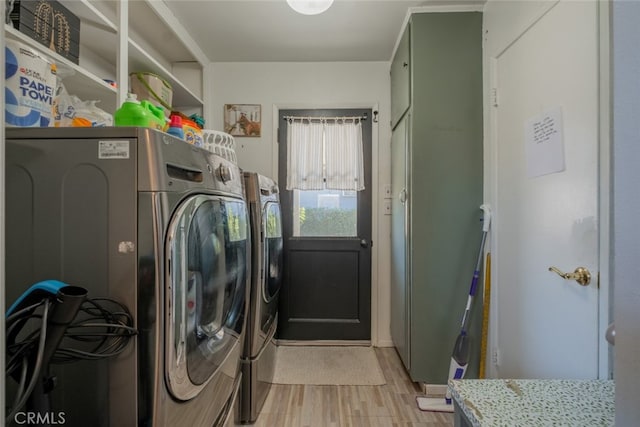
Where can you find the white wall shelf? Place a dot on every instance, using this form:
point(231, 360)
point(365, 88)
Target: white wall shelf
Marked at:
point(140, 60)
point(80, 82)
point(90, 14)
point(155, 41)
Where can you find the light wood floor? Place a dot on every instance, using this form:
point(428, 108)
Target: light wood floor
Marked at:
point(392, 404)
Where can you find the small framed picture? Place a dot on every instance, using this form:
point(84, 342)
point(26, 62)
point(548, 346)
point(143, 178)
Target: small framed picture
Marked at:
point(242, 119)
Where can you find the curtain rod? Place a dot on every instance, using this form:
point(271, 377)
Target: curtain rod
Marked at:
point(363, 117)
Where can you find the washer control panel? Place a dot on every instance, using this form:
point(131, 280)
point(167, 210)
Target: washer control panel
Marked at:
point(223, 173)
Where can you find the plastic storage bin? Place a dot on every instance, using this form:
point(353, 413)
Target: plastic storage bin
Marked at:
point(220, 143)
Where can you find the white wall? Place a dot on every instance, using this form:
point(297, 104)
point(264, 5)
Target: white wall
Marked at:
point(316, 85)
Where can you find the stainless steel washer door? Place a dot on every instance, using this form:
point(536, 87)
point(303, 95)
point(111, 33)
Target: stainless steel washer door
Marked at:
point(206, 287)
point(273, 251)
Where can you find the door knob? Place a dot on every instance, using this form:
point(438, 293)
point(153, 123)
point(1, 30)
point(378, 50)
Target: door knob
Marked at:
point(611, 334)
point(580, 275)
point(364, 243)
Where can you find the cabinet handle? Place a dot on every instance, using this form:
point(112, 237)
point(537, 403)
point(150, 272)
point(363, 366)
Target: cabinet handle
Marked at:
point(403, 196)
point(405, 64)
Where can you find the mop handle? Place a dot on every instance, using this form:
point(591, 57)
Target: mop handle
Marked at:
point(476, 272)
point(486, 218)
point(486, 223)
point(474, 287)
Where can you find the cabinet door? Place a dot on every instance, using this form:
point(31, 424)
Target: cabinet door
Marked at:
point(400, 80)
point(399, 241)
point(445, 171)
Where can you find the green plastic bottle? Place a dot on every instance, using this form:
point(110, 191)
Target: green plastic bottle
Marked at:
point(157, 119)
point(132, 113)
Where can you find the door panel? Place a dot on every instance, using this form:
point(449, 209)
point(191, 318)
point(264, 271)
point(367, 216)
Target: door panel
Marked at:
point(324, 296)
point(326, 289)
point(549, 326)
point(399, 240)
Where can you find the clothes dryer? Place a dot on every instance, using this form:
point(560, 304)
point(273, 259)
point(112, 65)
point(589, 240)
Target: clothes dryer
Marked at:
point(258, 359)
point(161, 226)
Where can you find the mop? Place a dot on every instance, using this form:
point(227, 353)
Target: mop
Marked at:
point(460, 355)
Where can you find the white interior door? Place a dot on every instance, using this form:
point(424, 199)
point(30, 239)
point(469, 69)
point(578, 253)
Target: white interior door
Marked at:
point(548, 326)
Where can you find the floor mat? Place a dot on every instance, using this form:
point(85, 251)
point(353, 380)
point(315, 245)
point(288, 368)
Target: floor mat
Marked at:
point(323, 365)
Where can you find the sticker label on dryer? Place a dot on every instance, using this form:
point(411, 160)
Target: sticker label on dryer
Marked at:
point(113, 149)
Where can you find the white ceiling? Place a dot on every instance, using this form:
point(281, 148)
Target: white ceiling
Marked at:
point(268, 30)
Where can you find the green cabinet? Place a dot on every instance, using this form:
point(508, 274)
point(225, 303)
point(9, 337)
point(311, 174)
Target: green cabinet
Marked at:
point(400, 80)
point(437, 174)
point(399, 217)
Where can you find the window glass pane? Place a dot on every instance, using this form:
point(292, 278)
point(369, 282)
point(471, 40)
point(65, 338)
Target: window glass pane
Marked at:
point(325, 213)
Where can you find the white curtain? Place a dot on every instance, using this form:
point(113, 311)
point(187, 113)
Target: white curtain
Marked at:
point(325, 154)
point(343, 155)
point(304, 155)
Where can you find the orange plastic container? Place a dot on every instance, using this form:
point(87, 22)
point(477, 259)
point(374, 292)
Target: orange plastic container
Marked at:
point(192, 133)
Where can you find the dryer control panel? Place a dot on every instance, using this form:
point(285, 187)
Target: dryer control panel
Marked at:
point(223, 173)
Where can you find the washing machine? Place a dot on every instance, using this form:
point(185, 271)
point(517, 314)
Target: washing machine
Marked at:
point(258, 359)
point(159, 225)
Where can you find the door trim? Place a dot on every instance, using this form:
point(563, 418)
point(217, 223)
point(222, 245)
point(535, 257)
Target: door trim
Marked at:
point(605, 352)
point(377, 270)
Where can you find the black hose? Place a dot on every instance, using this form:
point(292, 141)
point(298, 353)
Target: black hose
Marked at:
point(37, 366)
point(68, 301)
point(29, 358)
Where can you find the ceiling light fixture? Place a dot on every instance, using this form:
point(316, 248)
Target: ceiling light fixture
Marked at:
point(310, 7)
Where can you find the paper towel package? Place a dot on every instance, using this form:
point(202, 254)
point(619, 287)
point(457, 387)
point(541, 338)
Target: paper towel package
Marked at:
point(30, 84)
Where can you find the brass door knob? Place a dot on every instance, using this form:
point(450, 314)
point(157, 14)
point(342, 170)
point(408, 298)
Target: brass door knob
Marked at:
point(580, 275)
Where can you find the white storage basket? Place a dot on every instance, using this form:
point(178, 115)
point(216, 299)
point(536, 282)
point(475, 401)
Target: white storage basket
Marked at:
point(220, 143)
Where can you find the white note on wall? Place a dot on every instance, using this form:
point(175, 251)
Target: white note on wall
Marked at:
point(544, 143)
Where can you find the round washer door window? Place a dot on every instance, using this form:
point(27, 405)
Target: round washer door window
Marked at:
point(273, 257)
point(207, 277)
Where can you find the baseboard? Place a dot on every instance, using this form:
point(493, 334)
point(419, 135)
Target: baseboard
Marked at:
point(434, 390)
point(384, 343)
point(361, 343)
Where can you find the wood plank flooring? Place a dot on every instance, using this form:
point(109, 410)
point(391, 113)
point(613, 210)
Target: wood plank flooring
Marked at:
point(392, 404)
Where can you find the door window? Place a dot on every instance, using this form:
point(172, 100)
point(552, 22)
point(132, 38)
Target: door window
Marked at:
point(325, 213)
point(207, 272)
